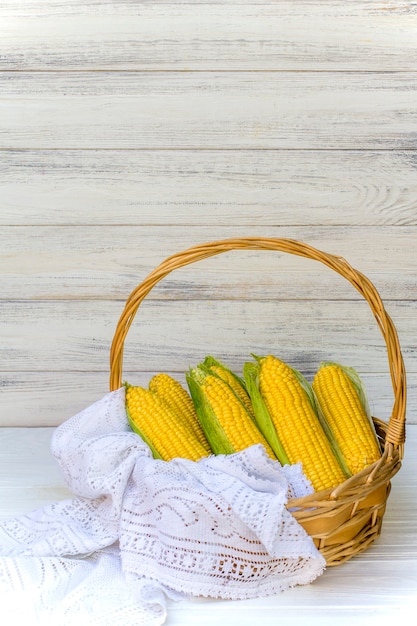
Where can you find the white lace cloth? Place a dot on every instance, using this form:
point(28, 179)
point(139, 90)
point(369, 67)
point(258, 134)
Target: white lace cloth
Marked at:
point(139, 531)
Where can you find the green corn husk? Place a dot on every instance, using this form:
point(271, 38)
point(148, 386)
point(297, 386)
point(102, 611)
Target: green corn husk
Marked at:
point(262, 417)
point(264, 420)
point(137, 430)
point(226, 421)
point(211, 426)
point(210, 362)
point(219, 369)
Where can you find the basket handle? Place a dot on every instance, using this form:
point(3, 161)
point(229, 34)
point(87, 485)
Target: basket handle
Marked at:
point(396, 428)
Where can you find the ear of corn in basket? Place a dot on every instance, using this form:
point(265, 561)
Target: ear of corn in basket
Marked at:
point(342, 399)
point(226, 421)
point(236, 382)
point(283, 403)
point(178, 399)
point(262, 416)
point(162, 426)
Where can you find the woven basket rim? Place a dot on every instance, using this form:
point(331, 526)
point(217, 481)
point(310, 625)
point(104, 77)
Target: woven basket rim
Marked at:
point(395, 429)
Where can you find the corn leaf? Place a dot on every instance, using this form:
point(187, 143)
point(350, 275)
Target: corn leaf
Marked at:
point(210, 362)
point(262, 417)
point(137, 430)
point(211, 426)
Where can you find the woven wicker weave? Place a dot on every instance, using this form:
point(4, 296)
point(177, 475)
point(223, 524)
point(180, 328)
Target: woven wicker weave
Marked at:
point(346, 520)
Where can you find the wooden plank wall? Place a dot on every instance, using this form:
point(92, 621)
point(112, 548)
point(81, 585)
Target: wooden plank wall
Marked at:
point(131, 130)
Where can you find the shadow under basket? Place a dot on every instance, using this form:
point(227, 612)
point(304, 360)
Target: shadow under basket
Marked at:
point(345, 520)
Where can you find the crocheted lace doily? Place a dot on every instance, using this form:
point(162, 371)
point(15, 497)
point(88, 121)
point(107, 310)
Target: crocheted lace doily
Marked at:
point(139, 530)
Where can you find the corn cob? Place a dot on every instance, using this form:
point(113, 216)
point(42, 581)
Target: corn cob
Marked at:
point(341, 397)
point(227, 424)
point(236, 383)
point(281, 399)
point(160, 427)
point(176, 397)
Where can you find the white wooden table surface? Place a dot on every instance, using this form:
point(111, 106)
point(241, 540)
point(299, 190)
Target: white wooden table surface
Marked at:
point(374, 588)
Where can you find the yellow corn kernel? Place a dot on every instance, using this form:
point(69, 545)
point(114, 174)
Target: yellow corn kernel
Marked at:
point(297, 425)
point(228, 426)
point(346, 415)
point(176, 397)
point(160, 428)
point(225, 374)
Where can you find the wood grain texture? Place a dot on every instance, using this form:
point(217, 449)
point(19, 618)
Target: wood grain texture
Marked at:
point(131, 130)
point(48, 398)
point(208, 35)
point(107, 262)
point(257, 110)
point(55, 355)
point(212, 187)
point(76, 335)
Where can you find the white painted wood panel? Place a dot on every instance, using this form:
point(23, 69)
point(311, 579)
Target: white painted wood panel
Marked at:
point(212, 187)
point(47, 398)
point(209, 185)
point(373, 589)
point(76, 335)
point(107, 262)
point(208, 35)
point(200, 110)
point(46, 345)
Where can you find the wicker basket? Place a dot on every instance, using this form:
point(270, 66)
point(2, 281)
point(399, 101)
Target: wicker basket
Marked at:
point(346, 520)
